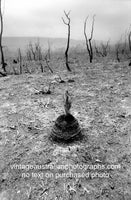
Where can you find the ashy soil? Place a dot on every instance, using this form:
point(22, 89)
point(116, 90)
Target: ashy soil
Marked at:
point(32, 166)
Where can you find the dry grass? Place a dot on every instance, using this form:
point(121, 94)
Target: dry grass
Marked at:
point(101, 94)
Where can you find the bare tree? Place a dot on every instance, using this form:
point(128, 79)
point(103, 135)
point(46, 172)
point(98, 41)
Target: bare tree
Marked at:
point(49, 50)
point(20, 60)
point(47, 57)
point(88, 41)
point(117, 50)
point(1, 47)
point(68, 40)
point(47, 60)
point(105, 48)
point(31, 52)
point(97, 50)
point(38, 51)
point(34, 52)
point(129, 40)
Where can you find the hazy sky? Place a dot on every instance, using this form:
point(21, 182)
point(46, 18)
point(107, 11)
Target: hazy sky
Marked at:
point(42, 18)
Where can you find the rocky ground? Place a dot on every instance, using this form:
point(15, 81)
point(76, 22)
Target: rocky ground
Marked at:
point(97, 167)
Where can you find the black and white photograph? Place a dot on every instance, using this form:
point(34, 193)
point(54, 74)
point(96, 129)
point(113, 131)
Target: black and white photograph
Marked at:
point(65, 99)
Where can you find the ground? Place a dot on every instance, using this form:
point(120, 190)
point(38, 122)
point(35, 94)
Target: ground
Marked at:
point(96, 167)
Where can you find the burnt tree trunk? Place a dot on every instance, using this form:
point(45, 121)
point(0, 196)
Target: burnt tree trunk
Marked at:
point(88, 41)
point(1, 47)
point(68, 40)
point(20, 60)
point(47, 63)
point(117, 54)
point(129, 39)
